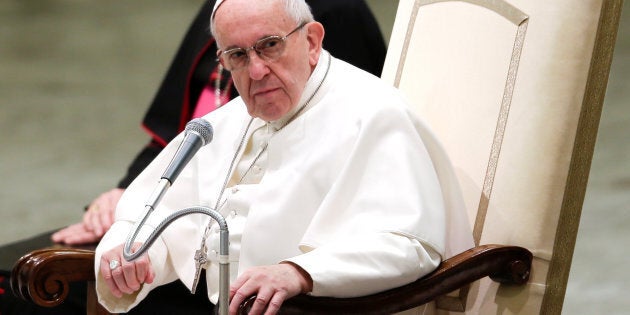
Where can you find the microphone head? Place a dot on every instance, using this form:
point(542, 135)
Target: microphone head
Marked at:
point(201, 127)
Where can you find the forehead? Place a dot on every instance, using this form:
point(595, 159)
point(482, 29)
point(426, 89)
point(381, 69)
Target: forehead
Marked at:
point(240, 23)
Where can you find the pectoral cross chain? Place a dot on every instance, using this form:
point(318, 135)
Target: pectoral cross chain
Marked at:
point(201, 258)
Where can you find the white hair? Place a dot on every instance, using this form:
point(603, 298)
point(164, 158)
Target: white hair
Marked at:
point(298, 10)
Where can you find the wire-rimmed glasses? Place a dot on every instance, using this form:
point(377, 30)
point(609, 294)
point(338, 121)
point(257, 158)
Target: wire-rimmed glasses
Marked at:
point(268, 48)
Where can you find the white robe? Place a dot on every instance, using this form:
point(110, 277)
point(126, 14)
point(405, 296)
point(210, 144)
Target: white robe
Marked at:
point(355, 190)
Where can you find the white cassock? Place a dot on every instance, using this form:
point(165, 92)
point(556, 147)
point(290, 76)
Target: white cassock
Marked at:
point(355, 190)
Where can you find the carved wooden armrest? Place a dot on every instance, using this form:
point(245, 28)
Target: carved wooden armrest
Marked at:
point(504, 264)
point(43, 276)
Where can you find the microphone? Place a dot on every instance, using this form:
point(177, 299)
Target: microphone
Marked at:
point(198, 133)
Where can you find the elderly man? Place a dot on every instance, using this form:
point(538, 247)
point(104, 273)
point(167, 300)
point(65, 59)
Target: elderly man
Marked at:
point(327, 182)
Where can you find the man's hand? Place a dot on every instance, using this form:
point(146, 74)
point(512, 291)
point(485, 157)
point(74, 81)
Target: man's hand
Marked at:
point(96, 221)
point(123, 277)
point(75, 234)
point(100, 214)
point(272, 285)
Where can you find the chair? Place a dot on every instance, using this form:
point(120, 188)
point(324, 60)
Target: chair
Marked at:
point(514, 92)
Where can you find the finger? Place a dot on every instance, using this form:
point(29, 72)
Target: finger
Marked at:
point(238, 293)
point(250, 288)
point(236, 303)
point(108, 277)
point(143, 270)
point(131, 276)
point(88, 218)
point(104, 221)
point(75, 234)
point(119, 278)
point(263, 297)
point(107, 217)
point(113, 197)
point(57, 237)
point(95, 219)
point(81, 237)
point(239, 282)
point(60, 235)
point(150, 275)
point(276, 302)
point(112, 201)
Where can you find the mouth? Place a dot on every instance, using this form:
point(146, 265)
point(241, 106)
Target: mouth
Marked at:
point(264, 92)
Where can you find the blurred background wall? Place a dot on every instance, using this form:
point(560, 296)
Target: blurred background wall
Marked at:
point(77, 76)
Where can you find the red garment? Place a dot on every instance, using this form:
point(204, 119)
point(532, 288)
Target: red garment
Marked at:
point(207, 101)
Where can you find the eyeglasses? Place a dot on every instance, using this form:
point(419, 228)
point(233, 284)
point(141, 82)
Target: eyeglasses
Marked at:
point(268, 48)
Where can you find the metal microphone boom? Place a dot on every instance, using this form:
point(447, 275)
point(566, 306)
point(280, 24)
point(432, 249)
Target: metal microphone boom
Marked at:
point(198, 134)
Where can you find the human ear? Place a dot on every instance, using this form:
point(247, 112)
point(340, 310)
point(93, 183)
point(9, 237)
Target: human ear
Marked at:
point(315, 38)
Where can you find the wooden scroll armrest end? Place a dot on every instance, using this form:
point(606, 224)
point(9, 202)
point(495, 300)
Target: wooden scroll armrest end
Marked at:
point(43, 276)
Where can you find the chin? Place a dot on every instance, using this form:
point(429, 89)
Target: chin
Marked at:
point(269, 117)
point(271, 114)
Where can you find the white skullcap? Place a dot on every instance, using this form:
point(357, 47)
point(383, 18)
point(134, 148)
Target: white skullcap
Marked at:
point(216, 6)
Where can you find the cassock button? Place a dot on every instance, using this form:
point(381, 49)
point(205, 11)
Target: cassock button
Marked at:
point(234, 190)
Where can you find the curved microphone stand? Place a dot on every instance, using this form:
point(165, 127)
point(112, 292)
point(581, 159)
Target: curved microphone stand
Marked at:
point(224, 263)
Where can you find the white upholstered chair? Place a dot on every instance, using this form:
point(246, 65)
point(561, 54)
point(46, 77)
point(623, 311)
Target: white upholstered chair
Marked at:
point(513, 89)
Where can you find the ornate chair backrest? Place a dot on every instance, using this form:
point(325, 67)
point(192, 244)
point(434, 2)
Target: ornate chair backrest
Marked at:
point(513, 89)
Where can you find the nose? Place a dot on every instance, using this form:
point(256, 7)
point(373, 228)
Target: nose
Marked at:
point(257, 67)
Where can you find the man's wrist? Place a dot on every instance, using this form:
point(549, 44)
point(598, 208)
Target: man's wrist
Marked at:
point(306, 282)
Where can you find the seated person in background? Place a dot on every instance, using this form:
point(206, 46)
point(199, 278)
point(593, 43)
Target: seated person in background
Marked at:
point(326, 189)
point(190, 88)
